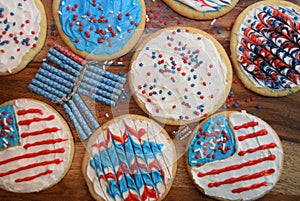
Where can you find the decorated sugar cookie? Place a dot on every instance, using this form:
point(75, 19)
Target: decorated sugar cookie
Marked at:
point(201, 9)
point(234, 156)
point(265, 48)
point(180, 75)
point(36, 146)
point(97, 29)
point(130, 158)
point(23, 32)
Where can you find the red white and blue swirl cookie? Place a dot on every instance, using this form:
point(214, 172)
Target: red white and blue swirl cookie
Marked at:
point(23, 28)
point(180, 75)
point(202, 9)
point(100, 30)
point(234, 156)
point(130, 158)
point(265, 47)
point(36, 146)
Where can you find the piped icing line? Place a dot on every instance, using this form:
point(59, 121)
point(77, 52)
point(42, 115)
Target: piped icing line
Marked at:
point(206, 5)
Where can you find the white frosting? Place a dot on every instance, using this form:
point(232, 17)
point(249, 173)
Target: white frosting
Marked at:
point(206, 5)
point(11, 58)
point(225, 191)
point(40, 183)
point(209, 78)
point(166, 159)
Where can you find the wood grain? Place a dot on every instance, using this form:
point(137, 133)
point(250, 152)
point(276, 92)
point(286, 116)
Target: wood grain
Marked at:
point(283, 114)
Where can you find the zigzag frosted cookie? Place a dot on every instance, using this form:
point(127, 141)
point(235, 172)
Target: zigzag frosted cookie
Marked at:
point(36, 146)
point(130, 158)
point(180, 75)
point(23, 32)
point(265, 47)
point(234, 156)
point(98, 29)
point(202, 9)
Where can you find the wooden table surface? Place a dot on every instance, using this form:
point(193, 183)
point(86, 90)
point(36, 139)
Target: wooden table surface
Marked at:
point(283, 114)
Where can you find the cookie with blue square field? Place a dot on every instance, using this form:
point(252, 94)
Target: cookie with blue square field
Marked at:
point(130, 158)
point(100, 30)
point(201, 9)
point(234, 156)
point(265, 48)
point(180, 75)
point(23, 28)
point(36, 146)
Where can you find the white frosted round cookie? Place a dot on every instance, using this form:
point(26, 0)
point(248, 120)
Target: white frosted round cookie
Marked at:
point(234, 156)
point(36, 146)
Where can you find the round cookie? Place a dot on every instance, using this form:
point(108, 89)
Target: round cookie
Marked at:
point(265, 48)
point(202, 9)
point(130, 158)
point(234, 156)
point(36, 146)
point(100, 30)
point(180, 75)
point(23, 28)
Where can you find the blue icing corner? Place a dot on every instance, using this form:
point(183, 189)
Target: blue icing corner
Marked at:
point(213, 141)
point(9, 135)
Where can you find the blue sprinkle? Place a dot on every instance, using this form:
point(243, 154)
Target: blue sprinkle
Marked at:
point(258, 106)
point(216, 25)
point(235, 105)
point(178, 30)
point(230, 93)
point(14, 23)
point(189, 78)
point(163, 98)
point(192, 70)
point(12, 14)
point(199, 93)
point(224, 106)
point(147, 48)
point(145, 85)
point(141, 64)
point(155, 80)
point(185, 97)
point(151, 87)
point(169, 93)
point(192, 85)
point(195, 77)
point(160, 91)
point(254, 113)
point(153, 57)
point(19, 4)
point(154, 92)
point(180, 117)
point(12, 57)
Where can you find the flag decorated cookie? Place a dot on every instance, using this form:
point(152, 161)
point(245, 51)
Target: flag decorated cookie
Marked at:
point(23, 28)
point(234, 156)
point(36, 146)
point(100, 30)
point(265, 47)
point(202, 9)
point(130, 158)
point(180, 75)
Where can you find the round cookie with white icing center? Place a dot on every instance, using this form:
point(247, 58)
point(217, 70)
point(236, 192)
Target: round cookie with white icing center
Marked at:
point(100, 30)
point(234, 156)
point(36, 146)
point(202, 9)
point(265, 48)
point(180, 75)
point(23, 28)
point(130, 158)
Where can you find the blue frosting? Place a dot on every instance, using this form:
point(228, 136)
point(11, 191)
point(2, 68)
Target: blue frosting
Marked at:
point(207, 140)
point(9, 135)
point(109, 9)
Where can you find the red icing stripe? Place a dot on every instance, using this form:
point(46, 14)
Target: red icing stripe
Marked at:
point(238, 166)
point(34, 176)
point(40, 132)
point(44, 142)
point(32, 155)
point(242, 178)
point(30, 111)
point(252, 135)
point(33, 165)
point(248, 188)
point(246, 125)
point(36, 119)
point(261, 147)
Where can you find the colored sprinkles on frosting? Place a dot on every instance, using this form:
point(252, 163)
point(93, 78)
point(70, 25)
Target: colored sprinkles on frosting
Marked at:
point(206, 5)
point(269, 47)
point(100, 27)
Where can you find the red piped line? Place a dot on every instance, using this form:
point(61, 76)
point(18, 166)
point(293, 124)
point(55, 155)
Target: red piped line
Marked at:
point(43, 142)
point(248, 188)
point(252, 135)
point(238, 166)
point(32, 155)
point(246, 125)
point(261, 147)
point(33, 177)
point(33, 165)
point(36, 119)
point(30, 111)
point(242, 178)
point(40, 132)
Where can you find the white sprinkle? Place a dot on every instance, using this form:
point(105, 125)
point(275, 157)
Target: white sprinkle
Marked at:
point(130, 18)
point(9, 70)
point(244, 111)
point(223, 126)
point(201, 154)
point(78, 23)
point(44, 59)
point(111, 12)
point(59, 12)
point(4, 140)
point(105, 62)
point(213, 21)
point(223, 147)
point(106, 115)
point(11, 129)
point(120, 62)
point(196, 150)
point(194, 161)
point(5, 145)
point(133, 4)
point(4, 121)
point(84, 16)
point(63, 3)
point(110, 62)
point(217, 130)
point(6, 130)
point(118, 28)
